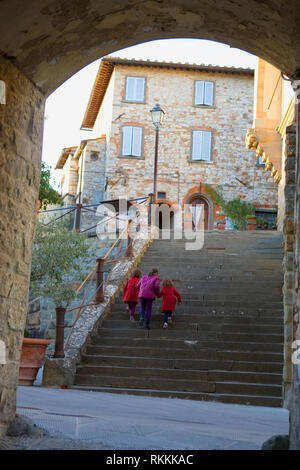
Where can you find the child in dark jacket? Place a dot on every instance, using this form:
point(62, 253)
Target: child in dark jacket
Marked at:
point(149, 288)
point(169, 295)
point(131, 292)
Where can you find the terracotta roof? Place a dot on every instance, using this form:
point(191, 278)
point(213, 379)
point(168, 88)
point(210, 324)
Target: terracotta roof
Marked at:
point(63, 157)
point(107, 66)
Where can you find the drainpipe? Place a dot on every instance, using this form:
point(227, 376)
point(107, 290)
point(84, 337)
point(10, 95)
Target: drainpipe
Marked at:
point(77, 156)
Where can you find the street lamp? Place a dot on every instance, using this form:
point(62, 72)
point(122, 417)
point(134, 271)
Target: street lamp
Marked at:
point(157, 115)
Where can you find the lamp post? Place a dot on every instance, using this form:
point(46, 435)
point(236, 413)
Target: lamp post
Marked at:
point(157, 115)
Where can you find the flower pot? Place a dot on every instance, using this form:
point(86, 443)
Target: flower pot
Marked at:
point(32, 355)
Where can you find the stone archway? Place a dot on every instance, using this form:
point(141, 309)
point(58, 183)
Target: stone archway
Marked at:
point(47, 43)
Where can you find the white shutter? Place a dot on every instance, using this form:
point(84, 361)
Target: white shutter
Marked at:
point(127, 139)
point(209, 93)
point(130, 86)
point(135, 87)
point(140, 85)
point(137, 141)
point(206, 145)
point(199, 92)
point(197, 145)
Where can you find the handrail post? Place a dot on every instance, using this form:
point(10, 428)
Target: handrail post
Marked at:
point(60, 332)
point(151, 199)
point(77, 217)
point(99, 296)
point(129, 249)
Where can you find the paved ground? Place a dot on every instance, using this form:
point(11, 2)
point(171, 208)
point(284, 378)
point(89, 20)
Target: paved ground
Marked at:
point(91, 420)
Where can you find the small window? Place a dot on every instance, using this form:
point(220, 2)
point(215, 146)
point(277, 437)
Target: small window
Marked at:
point(161, 195)
point(204, 93)
point(201, 145)
point(132, 141)
point(135, 89)
point(259, 161)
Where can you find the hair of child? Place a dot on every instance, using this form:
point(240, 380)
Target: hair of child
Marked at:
point(153, 271)
point(137, 273)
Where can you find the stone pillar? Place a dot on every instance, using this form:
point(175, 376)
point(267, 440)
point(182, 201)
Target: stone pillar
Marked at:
point(295, 397)
point(21, 127)
point(288, 203)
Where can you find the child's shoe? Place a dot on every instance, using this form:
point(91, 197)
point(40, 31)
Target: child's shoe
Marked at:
point(165, 325)
point(170, 320)
point(132, 319)
point(141, 323)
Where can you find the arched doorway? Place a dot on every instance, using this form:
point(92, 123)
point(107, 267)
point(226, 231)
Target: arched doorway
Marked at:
point(200, 213)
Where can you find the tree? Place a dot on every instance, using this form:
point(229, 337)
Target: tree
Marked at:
point(59, 256)
point(47, 194)
point(236, 209)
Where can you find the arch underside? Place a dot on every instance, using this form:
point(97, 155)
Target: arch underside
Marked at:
point(49, 41)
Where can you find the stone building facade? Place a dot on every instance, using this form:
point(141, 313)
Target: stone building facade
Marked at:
point(201, 140)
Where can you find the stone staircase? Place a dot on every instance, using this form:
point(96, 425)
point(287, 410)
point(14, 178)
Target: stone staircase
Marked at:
point(226, 340)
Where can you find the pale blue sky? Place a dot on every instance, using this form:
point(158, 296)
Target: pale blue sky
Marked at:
point(65, 107)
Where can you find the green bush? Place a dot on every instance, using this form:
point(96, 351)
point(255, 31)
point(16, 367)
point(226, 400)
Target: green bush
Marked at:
point(59, 256)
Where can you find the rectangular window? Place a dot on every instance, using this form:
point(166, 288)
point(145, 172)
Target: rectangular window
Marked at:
point(204, 93)
point(161, 195)
point(135, 89)
point(132, 141)
point(201, 145)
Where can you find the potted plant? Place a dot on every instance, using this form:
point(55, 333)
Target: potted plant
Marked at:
point(59, 256)
point(266, 225)
point(32, 356)
point(236, 209)
point(259, 222)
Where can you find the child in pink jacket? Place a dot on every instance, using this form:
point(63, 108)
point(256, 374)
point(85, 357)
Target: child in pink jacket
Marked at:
point(149, 287)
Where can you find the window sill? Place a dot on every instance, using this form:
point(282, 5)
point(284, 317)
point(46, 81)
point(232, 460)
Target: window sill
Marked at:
point(205, 106)
point(132, 101)
point(130, 157)
point(209, 162)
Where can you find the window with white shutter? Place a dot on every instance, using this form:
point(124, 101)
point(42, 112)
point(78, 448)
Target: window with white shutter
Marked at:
point(204, 93)
point(132, 141)
point(135, 89)
point(201, 145)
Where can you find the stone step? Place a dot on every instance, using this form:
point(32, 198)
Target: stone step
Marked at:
point(197, 314)
point(228, 288)
point(251, 400)
point(231, 304)
point(210, 342)
point(197, 308)
point(182, 374)
point(239, 353)
point(178, 363)
point(132, 329)
point(243, 329)
point(184, 385)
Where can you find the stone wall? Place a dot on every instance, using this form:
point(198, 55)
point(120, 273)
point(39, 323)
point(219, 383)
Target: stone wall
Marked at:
point(287, 195)
point(21, 125)
point(232, 166)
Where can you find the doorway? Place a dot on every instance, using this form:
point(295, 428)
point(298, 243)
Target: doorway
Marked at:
point(200, 213)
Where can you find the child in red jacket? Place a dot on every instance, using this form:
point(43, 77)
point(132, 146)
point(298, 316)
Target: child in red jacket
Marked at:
point(131, 292)
point(169, 294)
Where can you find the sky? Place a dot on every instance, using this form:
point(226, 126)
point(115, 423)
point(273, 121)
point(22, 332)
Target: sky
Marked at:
point(65, 107)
